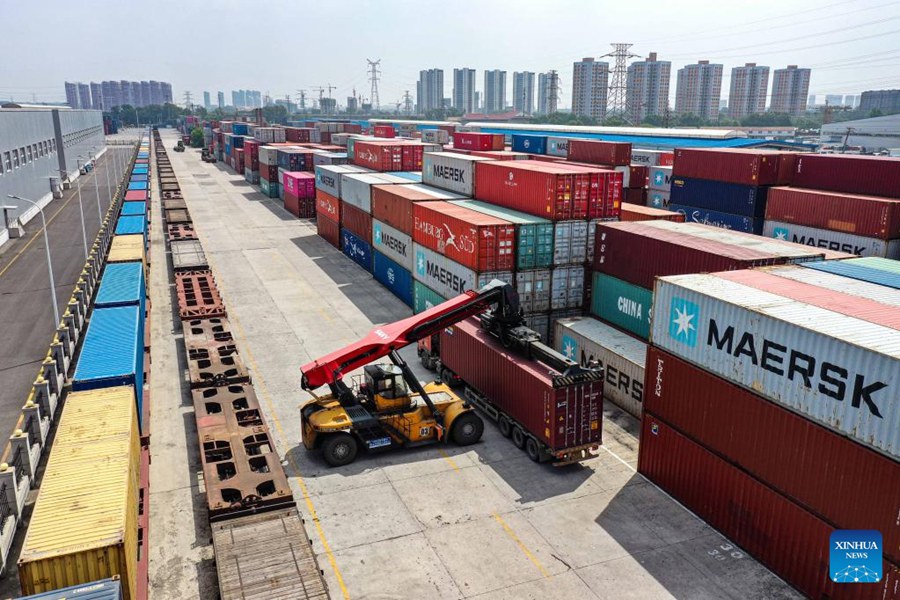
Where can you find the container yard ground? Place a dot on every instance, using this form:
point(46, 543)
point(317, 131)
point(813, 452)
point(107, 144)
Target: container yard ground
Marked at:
point(482, 521)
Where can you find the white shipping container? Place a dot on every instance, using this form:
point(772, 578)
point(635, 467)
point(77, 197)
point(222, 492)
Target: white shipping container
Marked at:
point(324, 157)
point(534, 290)
point(438, 193)
point(450, 171)
point(838, 241)
point(328, 177)
point(340, 139)
point(268, 155)
point(269, 135)
point(626, 175)
point(838, 283)
point(448, 278)
point(557, 146)
point(435, 136)
point(648, 158)
point(567, 287)
point(393, 243)
point(570, 242)
point(836, 370)
point(660, 178)
point(621, 357)
point(356, 188)
point(657, 198)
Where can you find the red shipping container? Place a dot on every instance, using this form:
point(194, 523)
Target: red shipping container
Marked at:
point(780, 534)
point(328, 206)
point(633, 197)
point(639, 176)
point(251, 153)
point(352, 128)
point(385, 131)
point(239, 160)
point(379, 156)
point(268, 173)
point(832, 476)
point(412, 157)
point(748, 167)
point(636, 212)
point(606, 194)
point(598, 152)
point(870, 216)
point(393, 204)
point(871, 175)
point(356, 221)
point(541, 189)
point(638, 254)
point(545, 158)
point(299, 184)
point(479, 141)
point(473, 239)
point(563, 417)
point(304, 208)
point(329, 230)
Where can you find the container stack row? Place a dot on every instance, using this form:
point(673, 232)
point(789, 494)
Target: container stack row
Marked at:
point(96, 481)
point(259, 540)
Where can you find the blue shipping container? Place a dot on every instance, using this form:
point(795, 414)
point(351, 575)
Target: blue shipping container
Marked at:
point(143, 155)
point(137, 185)
point(412, 176)
point(535, 144)
point(357, 249)
point(122, 284)
point(132, 225)
point(394, 277)
point(140, 170)
point(853, 270)
point(237, 141)
point(718, 219)
point(130, 209)
point(113, 352)
point(138, 177)
point(729, 198)
point(239, 129)
point(105, 589)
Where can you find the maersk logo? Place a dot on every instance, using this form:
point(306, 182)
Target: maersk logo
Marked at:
point(378, 234)
point(657, 200)
point(569, 347)
point(781, 233)
point(683, 318)
point(420, 263)
point(658, 178)
point(855, 556)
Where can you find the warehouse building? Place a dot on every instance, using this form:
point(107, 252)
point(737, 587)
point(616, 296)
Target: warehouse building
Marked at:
point(872, 134)
point(40, 142)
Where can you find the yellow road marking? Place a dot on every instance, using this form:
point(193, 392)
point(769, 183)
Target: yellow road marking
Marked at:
point(449, 460)
point(521, 545)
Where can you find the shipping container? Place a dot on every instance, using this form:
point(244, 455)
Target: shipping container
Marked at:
point(638, 176)
point(122, 284)
point(85, 521)
point(838, 283)
point(748, 167)
point(473, 239)
point(867, 216)
point(533, 144)
point(449, 278)
point(872, 175)
point(130, 209)
point(860, 269)
point(328, 206)
point(388, 156)
point(138, 185)
point(599, 152)
point(435, 136)
point(540, 324)
point(424, 297)
point(479, 141)
point(141, 195)
point(731, 198)
point(393, 244)
point(636, 212)
point(104, 589)
point(328, 230)
point(789, 540)
point(393, 204)
point(534, 235)
point(384, 131)
point(268, 173)
point(299, 184)
point(623, 304)
point(499, 154)
point(357, 249)
point(542, 189)
point(126, 248)
point(832, 240)
point(718, 219)
point(302, 208)
point(409, 176)
point(451, 171)
point(558, 146)
point(534, 288)
point(558, 415)
point(836, 370)
point(621, 357)
point(652, 158)
point(357, 221)
point(606, 190)
point(327, 158)
point(394, 277)
point(660, 199)
point(567, 287)
point(356, 188)
point(659, 178)
point(328, 177)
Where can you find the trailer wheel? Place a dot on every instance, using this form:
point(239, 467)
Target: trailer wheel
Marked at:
point(467, 429)
point(426, 360)
point(532, 449)
point(339, 449)
point(505, 426)
point(518, 437)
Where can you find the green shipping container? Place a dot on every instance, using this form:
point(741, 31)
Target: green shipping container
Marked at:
point(534, 235)
point(424, 298)
point(622, 304)
point(269, 189)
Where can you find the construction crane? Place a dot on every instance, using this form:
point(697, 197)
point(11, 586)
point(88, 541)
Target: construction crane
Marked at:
point(321, 91)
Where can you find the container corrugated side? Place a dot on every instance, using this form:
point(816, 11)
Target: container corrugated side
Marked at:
point(780, 534)
point(474, 239)
point(131, 225)
point(328, 205)
point(357, 249)
point(328, 230)
point(534, 289)
point(715, 218)
point(744, 166)
point(394, 277)
point(121, 284)
point(393, 204)
point(105, 589)
point(836, 370)
point(873, 175)
point(84, 525)
point(449, 278)
point(600, 152)
point(534, 235)
point(562, 417)
point(868, 216)
point(356, 189)
point(846, 285)
point(856, 269)
point(328, 177)
point(394, 244)
point(621, 303)
point(570, 242)
point(832, 476)
point(131, 209)
point(111, 354)
point(567, 287)
point(588, 341)
point(357, 221)
point(424, 297)
point(451, 171)
point(832, 240)
point(541, 189)
point(729, 198)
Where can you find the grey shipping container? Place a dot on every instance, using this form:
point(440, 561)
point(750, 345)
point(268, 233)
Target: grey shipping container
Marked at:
point(449, 278)
point(558, 146)
point(567, 287)
point(328, 177)
point(356, 188)
point(450, 171)
point(838, 283)
point(393, 243)
point(570, 242)
point(833, 240)
point(534, 290)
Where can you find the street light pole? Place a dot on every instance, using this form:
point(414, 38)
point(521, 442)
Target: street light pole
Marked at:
point(81, 206)
point(106, 170)
point(97, 187)
point(47, 251)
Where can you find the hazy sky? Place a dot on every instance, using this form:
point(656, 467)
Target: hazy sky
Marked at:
point(281, 46)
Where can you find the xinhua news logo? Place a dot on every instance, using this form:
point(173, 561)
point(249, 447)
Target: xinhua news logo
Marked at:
point(855, 556)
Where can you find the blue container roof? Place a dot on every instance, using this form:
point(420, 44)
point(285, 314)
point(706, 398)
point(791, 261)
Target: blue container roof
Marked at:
point(143, 155)
point(131, 225)
point(105, 589)
point(137, 185)
point(109, 356)
point(135, 207)
point(854, 270)
point(139, 171)
point(414, 176)
point(121, 284)
point(138, 177)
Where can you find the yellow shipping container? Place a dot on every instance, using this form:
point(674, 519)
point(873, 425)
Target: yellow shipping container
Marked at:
point(85, 521)
point(127, 248)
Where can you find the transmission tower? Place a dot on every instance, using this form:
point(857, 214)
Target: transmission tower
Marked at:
point(407, 102)
point(374, 72)
point(617, 98)
point(302, 99)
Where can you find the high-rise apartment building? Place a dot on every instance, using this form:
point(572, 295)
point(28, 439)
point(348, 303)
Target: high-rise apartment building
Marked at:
point(523, 92)
point(207, 104)
point(698, 89)
point(749, 88)
point(851, 101)
point(548, 84)
point(430, 90)
point(464, 90)
point(166, 89)
point(887, 101)
point(72, 95)
point(106, 95)
point(647, 92)
point(221, 98)
point(494, 91)
point(790, 88)
point(590, 84)
point(96, 96)
point(84, 96)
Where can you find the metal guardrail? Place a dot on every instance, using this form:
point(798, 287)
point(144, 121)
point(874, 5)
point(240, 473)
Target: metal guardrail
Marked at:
point(22, 453)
